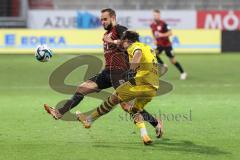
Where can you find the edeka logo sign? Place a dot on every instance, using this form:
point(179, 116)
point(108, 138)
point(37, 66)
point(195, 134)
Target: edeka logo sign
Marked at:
point(90, 40)
point(87, 20)
point(11, 39)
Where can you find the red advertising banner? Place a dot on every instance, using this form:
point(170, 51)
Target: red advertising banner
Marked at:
point(225, 20)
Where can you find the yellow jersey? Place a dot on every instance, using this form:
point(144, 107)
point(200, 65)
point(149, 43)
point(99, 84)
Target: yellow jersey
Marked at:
point(147, 72)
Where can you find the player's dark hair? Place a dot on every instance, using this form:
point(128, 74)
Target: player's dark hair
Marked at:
point(110, 11)
point(156, 10)
point(131, 36)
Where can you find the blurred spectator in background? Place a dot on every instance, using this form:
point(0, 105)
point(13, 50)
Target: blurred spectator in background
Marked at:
point(161, 33)
point(41, 4)
point(9, 8)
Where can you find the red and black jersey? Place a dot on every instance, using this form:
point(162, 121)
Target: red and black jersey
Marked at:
point(162, 27)
point(115, 58)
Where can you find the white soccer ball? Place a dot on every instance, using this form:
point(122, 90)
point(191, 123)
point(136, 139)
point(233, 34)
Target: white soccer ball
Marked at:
point(43, 53)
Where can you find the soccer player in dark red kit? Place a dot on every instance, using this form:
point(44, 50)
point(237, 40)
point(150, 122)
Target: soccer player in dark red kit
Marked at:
point(116, 63)
point(161, 33)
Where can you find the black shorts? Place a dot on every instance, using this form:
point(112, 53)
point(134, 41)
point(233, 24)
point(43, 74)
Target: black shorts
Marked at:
point(109, 78)
point(168, 51)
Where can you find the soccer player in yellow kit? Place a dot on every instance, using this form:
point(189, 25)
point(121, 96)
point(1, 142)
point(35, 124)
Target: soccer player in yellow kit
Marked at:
point(142, 84)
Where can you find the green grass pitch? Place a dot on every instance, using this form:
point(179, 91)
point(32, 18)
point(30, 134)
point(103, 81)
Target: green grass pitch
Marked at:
point(205, 126)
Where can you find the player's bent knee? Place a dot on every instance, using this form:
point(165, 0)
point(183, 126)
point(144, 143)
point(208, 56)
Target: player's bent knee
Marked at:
point(87, 87)
point(126, 106)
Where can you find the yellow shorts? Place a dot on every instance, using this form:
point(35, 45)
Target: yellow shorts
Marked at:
point(142, 94)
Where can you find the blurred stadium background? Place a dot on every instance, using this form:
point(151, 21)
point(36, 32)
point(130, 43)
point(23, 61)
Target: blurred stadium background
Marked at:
point(187, 17)
point(206, 41)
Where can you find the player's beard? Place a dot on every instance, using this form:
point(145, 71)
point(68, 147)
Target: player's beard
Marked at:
point(109, 27)
point(157, 20)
